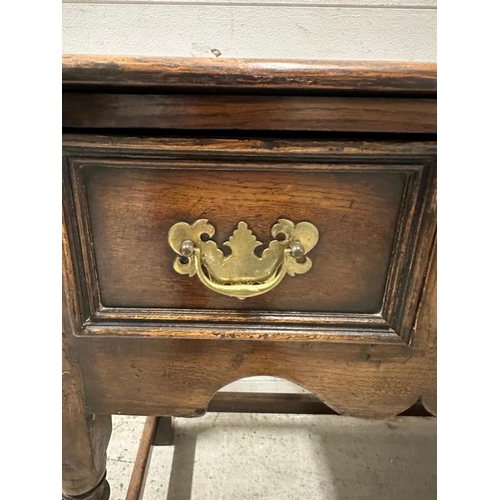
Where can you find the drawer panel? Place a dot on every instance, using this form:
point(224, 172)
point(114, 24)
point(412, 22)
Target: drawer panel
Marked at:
point(371, 203)
point(132, 208)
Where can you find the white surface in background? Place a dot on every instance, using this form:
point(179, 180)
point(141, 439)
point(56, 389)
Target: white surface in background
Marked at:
point(263, 384)
point(402, 30)
point(282, 457)
point(400, 4)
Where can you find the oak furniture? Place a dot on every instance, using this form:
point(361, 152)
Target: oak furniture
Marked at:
point(230, 218)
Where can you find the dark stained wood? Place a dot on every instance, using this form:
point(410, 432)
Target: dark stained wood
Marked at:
point(251, 74)
point(84, 436)
point(143, 458)
point(161, 376)
point(100, 492)
point(369, 334)
point(290, 403)
point(406, 279)
point(425, 338)
point(358, 331)
point(131, 210)
point(234, 112)
point(164, 435)
point(269, 148)
point(365, 199)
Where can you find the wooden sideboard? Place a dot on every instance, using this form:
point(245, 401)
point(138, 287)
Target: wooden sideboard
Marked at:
point(231, 218)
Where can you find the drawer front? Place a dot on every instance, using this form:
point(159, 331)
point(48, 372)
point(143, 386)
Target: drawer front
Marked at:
point(372, 204)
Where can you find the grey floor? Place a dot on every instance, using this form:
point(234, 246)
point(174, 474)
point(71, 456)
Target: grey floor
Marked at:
point(282, 457)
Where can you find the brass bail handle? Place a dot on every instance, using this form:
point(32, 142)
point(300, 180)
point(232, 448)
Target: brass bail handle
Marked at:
point(242, 273)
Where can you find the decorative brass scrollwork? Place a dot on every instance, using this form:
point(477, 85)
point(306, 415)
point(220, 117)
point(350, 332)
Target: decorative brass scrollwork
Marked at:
point(242, 274)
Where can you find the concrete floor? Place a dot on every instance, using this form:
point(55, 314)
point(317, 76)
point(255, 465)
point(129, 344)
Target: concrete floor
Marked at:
point(282, 457)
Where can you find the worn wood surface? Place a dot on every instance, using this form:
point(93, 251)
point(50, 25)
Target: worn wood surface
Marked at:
point(251, 75)
point(84, 436)
point(248, 95)
point(369, 201)
point(161, 376)
point(270, 147)
point(426, 328)
point(101, 492)
point(235, 112)
point(132, 208)
point(358, 331)
point(389, 376)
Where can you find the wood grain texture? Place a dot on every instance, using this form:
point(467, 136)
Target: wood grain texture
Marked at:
point(159, 376)
point(251, 75)
point(363, 198)
point(123, 111)
point(151, 375)
point(426, 332)
point(84, 436)
point(132, 209)
point(190, 146)
point(358, 331)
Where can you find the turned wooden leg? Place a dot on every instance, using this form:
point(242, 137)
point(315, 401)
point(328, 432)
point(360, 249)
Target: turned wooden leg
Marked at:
point(101, 492)
point(85, 439)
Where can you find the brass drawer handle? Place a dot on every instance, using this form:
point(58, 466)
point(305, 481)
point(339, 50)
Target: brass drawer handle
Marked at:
point(242, 274)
